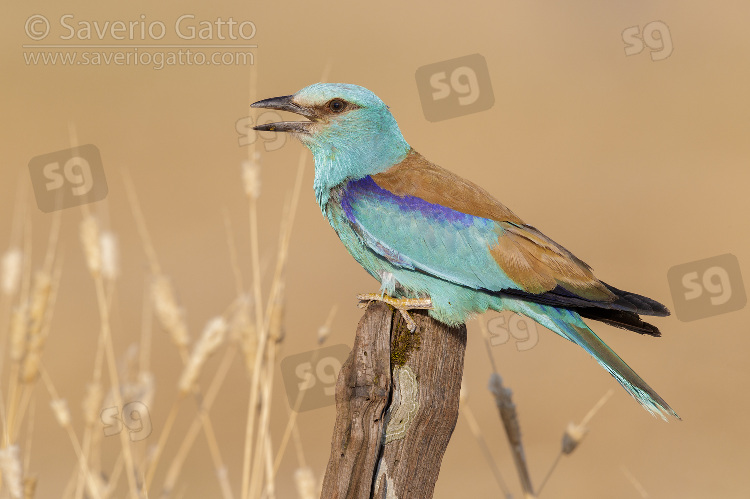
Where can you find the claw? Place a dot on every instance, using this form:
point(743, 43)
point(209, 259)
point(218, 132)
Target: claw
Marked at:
point(403, 305)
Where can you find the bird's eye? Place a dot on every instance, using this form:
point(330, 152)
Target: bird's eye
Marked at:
point(337, 105)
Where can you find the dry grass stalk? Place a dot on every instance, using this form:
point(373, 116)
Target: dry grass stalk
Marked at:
point(42, 303)
point(10, 464)
point(11, 264)
point(307, 486)
point(92, 407)
point(243, 332)
point(203, 421)
point(284, 238)
point(261, 462)
point(170, 315)
point(18, 330)
point(323, 333)
point(61, 412)
point(92, 403)
point(175, 466)
point(257, 366)
point(509, 417)
point(62, 415)
point(270, 491)
point(251, 176)
point(634, 482)
point(29, 487)
point(468, 414)
point(239, 287)
point(276, 317)
point(140, 224)
point(37, 334)
point(109, 255)
point(574, 434)
point(132, 387)
point(211, 339)
point(90, 241)
point(572, 437)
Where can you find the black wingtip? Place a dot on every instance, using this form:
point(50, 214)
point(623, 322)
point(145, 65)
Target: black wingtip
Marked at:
point(619, 318)
point(636, 303)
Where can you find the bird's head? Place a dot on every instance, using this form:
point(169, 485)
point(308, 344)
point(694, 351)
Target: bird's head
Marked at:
point(350, 131)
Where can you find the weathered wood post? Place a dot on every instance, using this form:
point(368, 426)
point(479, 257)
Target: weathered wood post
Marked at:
point(396, 407)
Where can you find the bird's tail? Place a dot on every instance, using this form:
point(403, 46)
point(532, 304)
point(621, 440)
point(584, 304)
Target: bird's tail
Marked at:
point(569, 324)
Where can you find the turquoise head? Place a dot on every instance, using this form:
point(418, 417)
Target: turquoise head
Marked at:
point(350, 131)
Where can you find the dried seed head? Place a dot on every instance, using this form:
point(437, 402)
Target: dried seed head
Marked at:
point(463, 394)
point(19, 323)
point(251, 176)
point(39, 299)
point(29, 487)
point(110, 255)
point(36, 336)
point(170, 315)
point(140, 389)
point(128, 363)
point(574, 433)
point(276, 318)
point(503, 396)
point(31, 364)
point(90, 241)
point(62, 412)
point(239, 320)
point(304, 479)
point(243, 331)
point(572, 437)
point(92, 403)
point(212, 337)
point(97, 486)
point(323, 332)
point(506, 407)
point(147, 388)
point(11, 270)
point(10, 464)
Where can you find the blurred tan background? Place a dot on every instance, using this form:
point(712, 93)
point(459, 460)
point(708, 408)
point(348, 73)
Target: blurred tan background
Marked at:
point(635, 165)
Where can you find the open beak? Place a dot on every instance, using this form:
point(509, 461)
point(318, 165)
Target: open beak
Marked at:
point(285, 103)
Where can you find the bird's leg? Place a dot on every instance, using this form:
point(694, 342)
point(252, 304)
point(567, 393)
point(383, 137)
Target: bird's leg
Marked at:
point(403, 305)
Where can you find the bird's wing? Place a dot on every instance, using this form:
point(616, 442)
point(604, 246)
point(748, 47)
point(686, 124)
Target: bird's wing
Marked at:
point(421, 216)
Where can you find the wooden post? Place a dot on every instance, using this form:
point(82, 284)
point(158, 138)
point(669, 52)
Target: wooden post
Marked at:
point(396, 407)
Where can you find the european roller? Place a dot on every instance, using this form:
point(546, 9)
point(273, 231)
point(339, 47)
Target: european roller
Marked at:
point(437, 241)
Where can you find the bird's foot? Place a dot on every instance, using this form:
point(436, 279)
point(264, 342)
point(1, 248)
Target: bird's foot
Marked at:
point(403, 305)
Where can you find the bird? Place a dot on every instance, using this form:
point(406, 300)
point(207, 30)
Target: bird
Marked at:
point(439, 242)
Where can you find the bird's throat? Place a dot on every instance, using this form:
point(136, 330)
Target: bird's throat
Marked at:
point(334, 166)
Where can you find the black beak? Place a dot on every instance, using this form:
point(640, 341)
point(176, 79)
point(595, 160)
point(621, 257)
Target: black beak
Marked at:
point(284, 103)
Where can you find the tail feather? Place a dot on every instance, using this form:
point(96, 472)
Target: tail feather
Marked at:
point(568, 324)
point(609, 360)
